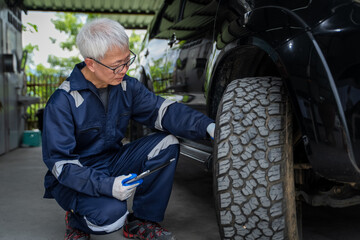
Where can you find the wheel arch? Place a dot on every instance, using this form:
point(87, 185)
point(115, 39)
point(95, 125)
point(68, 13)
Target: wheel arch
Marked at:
point(254, 58)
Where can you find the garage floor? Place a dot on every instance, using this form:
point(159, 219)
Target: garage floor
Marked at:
point(25, 215)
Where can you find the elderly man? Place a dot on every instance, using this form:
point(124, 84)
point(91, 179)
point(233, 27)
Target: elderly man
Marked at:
point(85, 121)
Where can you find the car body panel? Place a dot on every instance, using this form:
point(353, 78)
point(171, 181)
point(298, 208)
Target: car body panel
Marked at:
point(313, 45)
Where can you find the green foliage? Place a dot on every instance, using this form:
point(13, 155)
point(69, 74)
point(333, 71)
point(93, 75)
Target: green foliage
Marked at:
point(70, 24)
point(30, 50)
point(31, 28)
point(53, 40)
point(135, 41)
point(64, 65)
point(42, 70)
point(41, 86)
point(159, 71)
point(92, 16)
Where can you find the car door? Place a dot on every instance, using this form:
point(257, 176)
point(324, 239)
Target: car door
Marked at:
point(154, 58)
point(184, 48)
point(189, 58)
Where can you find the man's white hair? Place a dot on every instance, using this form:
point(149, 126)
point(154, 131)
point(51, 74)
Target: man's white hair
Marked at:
point(95, 38)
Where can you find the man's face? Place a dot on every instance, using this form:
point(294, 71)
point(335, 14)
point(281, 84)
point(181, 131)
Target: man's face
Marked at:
point(113, 58)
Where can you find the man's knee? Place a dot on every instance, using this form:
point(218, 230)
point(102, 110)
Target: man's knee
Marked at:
point(106, 224)
point(107, 217)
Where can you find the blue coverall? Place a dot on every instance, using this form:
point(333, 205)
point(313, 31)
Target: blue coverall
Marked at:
point(83, 151)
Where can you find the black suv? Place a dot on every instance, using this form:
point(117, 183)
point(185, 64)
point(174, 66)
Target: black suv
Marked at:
point(282, 80)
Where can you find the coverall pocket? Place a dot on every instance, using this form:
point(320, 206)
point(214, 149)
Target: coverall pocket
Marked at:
point(88, 138)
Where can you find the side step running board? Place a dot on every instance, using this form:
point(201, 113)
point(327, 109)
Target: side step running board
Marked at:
point(196, 151)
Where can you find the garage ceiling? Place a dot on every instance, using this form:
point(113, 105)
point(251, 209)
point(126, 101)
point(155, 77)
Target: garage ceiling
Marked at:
point(132, 14)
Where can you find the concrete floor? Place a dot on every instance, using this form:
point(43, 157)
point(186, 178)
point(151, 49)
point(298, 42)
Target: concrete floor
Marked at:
point(25, 215)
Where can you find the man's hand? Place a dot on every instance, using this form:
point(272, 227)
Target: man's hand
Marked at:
point(123, 191)
point(211, 130)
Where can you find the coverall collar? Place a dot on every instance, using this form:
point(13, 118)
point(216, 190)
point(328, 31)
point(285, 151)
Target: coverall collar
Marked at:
point(77, 79)
point(79, 82)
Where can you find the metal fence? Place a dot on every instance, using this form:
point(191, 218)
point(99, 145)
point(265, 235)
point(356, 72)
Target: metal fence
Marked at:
point(42, 87)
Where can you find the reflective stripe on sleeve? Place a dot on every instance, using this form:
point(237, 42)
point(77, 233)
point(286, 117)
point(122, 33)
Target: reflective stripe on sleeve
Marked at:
point(57, 169)
point(167, 141)
point(75, 94)
point(161, 113)
point(107, 228)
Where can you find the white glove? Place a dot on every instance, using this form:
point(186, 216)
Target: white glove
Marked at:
point(123, 191)
point(211, 130)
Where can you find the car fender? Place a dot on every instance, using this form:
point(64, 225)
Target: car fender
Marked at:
point(294, 52)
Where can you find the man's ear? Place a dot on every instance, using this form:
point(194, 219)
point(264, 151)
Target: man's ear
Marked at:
point(90, 64)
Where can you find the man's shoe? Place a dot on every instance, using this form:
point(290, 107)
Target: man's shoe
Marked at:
point(72, 233)
point(137, 229)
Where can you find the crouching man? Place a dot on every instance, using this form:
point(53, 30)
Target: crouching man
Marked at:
point(85, 121)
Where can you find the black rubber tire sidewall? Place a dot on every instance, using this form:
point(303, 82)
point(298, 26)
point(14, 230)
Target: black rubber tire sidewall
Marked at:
point(253, 169)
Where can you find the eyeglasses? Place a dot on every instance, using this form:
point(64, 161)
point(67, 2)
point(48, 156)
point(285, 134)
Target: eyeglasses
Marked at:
point(120, 67)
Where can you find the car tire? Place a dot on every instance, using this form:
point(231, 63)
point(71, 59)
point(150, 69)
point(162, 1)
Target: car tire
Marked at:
point(253, 163)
